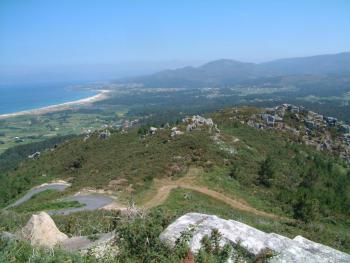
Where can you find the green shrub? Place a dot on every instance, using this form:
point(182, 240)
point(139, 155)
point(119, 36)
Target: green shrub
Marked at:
point(306, 208)
point(22, 252)
point(266, 172)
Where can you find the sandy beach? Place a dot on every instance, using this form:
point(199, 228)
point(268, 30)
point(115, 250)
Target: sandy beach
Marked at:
point(59, 107)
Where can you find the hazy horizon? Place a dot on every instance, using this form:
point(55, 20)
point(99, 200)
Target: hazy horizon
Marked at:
point(102, 72)
point(99, 40)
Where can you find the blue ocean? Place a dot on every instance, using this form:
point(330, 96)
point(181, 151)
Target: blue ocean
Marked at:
point(14, 98)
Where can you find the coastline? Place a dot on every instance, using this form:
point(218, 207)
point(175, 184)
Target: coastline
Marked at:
point(59, 107)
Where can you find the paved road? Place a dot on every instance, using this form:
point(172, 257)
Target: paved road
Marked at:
point(90, 201)
point(34, 191)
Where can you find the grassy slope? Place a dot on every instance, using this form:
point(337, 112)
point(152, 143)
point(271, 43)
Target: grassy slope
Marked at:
point(291, 163)
point(96, 162)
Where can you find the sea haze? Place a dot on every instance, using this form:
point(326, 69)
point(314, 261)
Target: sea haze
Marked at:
point(14, 98)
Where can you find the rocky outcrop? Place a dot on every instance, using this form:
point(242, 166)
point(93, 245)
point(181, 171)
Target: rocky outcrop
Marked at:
point(41, 230)
point(253, 240)
point(196, 122)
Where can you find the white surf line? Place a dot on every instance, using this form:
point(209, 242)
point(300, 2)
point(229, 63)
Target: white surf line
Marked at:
point(59, 107)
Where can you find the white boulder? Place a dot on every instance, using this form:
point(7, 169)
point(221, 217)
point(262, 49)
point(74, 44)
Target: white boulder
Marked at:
point(251, 239)
point(176, 133)
point(153, 130)
point(41, 230)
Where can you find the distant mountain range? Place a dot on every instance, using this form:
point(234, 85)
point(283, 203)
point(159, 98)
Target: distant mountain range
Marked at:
point(227, 71)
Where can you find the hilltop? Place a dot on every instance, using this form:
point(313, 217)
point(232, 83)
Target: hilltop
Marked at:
point(281, 169)
point(225, 72)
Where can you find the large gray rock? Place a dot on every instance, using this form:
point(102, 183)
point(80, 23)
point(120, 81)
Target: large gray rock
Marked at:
point(253, 240)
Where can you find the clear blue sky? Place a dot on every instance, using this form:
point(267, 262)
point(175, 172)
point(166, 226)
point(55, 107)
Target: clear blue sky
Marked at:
point(56, 33)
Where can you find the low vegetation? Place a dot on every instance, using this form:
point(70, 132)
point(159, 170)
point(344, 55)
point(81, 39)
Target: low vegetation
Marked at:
point(269, 170)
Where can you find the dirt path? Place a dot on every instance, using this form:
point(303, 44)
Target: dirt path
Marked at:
point(164, 188)
point(164, 191)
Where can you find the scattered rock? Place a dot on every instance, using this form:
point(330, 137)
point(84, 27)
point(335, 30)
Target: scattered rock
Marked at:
point(269, 119)
point(104, 135)
point(310, 124)
point(35, 155)
point(331, 121)
point(216, 129)
point(344, 128)
point(175, 132)
point(17, 139)
point(86, 137)
point(152, 130)
point(190, 127)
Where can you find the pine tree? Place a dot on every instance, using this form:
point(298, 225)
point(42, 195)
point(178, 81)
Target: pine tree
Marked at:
point(266, 172)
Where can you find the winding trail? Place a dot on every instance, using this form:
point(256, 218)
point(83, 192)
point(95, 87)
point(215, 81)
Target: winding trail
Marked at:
point(164, 187)
point(164, 191)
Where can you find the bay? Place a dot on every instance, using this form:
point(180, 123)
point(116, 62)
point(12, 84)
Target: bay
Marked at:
point(15, 98)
